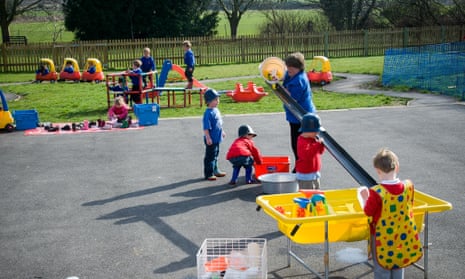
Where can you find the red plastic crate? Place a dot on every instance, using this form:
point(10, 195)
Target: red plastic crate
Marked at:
point(271, 164)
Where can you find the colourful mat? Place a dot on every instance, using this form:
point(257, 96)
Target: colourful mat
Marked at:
point(41, 131)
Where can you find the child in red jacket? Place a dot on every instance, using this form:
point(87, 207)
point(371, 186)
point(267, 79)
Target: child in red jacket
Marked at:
point(243, 153)
point(309, 151)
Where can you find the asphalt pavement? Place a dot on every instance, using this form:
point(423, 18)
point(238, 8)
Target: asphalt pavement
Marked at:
point(134, 204)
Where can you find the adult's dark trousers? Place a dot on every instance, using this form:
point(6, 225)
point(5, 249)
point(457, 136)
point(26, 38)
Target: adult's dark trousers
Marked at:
point(294, 127)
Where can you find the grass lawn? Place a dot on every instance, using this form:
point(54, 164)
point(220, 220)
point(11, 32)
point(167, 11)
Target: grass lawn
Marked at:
point(74, 102)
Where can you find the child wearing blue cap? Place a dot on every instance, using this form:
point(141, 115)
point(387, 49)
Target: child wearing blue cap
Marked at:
point(213, 135)
point(309, 151)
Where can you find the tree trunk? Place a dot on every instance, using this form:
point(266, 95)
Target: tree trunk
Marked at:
point(4, 24)
point(233, 24)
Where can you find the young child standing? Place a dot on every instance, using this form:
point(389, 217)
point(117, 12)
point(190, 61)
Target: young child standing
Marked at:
point(395, 241)
point(148, 64)
point(243, 153)
point(135, 80)
point(309, 151)
point(189, 60)
point(213, 135)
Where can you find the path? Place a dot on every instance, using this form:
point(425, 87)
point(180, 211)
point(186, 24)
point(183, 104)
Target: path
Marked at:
point(351, 84)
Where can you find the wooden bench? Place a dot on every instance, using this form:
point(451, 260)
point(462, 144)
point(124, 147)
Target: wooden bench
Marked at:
point(18, 40)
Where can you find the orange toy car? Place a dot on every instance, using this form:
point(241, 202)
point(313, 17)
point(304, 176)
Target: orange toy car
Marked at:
point(321, 70)
point(93, 70)
point(46, 71)
point(70, 70)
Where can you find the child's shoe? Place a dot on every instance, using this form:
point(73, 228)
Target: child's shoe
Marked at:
point(220, 174)
point(253, 181)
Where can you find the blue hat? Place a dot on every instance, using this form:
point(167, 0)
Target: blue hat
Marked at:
point(210, 95)
point(310, 123)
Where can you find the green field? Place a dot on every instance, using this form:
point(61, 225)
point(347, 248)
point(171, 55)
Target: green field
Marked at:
point(39, 32)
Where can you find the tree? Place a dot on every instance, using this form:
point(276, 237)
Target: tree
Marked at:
point(457, 12)
point(234, 11)
point(348, 14)
point(125, 19)
point(412, 13)
point(9, 9)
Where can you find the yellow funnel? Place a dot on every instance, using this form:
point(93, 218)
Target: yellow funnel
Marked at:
point(272, 69)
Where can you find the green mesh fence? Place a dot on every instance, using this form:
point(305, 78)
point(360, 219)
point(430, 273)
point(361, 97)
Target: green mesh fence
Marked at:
point(437, 68)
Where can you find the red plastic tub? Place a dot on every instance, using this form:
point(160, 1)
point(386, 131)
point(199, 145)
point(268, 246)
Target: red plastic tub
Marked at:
point(271, 164)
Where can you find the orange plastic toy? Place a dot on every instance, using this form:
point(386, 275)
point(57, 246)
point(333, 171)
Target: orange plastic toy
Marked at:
point(52, 75)
point(96, 75)
point(321, 70)
point(75, 75)
point(252, 93)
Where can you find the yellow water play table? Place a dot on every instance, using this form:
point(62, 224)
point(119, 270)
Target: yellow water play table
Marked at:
point(345, 222)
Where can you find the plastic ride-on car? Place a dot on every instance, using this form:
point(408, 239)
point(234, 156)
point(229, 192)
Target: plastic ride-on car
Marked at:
point(75, 75)
point(52, 75)
point(92, 70)
point(321, 70)
point(6, 119)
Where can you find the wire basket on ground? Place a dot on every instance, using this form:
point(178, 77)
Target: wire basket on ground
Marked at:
point(232, 258)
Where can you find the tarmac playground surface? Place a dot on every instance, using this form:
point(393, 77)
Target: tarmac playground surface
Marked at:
point(134, 204)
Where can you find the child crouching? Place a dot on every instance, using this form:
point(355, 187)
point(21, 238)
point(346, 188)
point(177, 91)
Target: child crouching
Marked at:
point(243, 153)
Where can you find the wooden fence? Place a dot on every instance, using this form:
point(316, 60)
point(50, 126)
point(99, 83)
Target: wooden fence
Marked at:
point(118, 54)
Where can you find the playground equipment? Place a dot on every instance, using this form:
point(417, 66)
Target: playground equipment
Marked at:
point(320, 70)
point(93, 70)
point(168, 66)
point(252, 93)
point(126, 88)
point(52, 75)
point(75, 75)
point(6, 119)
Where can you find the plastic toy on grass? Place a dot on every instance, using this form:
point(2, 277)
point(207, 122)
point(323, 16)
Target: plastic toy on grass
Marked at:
point(320, 70)
point(93, 70)
point(46, 71)
point(6, 119)
point(252, 93)
point(70, 70)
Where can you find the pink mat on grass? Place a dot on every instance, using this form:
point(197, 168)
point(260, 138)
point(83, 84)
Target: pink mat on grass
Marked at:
point(41, 131)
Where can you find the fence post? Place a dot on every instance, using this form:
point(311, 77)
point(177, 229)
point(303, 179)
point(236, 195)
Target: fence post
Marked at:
point(326, 42)
point(365, 43)
point(405, 37)
point(5, 62)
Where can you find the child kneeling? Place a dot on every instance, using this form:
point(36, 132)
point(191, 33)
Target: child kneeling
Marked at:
point(243, 153)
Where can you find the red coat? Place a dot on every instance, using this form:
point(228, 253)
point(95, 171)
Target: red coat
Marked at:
point(309, 153)
point(243, 146)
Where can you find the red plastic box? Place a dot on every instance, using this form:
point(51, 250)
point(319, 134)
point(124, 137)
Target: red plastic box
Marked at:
point(271, 164)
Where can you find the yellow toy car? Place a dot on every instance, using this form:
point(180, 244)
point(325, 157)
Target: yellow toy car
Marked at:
point(92, 70)
point(320, 70)
point(46, 71)
point(6, 119)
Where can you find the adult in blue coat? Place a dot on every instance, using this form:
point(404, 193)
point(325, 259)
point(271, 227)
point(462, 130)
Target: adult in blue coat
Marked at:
point(298, 85)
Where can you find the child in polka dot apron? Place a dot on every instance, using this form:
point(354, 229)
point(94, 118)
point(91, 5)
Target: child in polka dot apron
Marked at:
point(395, 241)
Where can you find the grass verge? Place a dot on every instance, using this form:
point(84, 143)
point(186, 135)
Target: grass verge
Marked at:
point(74, 102)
